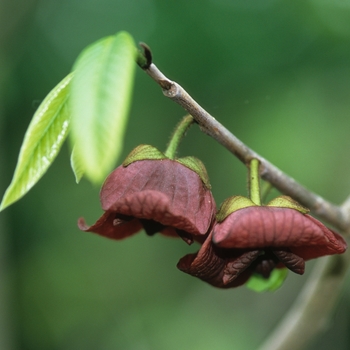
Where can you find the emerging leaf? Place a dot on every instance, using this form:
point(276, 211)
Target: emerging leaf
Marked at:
point(100, 99)
point(42, 142)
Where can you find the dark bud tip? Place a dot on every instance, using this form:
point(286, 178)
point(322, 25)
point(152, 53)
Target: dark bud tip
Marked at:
point(147, 53)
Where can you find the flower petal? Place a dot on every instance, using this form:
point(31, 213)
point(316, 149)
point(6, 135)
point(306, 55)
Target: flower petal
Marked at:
point(161, 190)
point(108, 225)
point(259, 227)
point(336, 243)
point(234, 267)
point(210, 265)
point(294, 262)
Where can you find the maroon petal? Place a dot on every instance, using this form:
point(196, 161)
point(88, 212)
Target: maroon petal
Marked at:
point(292, 261)
point(112, 226)
point(234, 267)
point(161, 190)
point(204, 264)
point(259, 227)
point(337, 244)
point(209, 265)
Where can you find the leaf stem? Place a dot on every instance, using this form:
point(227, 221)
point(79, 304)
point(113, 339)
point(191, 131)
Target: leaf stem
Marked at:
point(177, 136)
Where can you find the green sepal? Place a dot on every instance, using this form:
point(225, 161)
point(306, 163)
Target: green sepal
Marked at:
point(143, 152)
point(260, 284)
point(287, 202)
point(198, 167)
point(232, 204)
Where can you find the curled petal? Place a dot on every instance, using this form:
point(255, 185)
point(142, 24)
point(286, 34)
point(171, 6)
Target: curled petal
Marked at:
point(204, 264)
point(259, 227)
point(294, 262)
point(234, 267)
point(161, 190)
point(212, 266)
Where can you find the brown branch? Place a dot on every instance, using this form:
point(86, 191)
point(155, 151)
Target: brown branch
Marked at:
point(333, 214)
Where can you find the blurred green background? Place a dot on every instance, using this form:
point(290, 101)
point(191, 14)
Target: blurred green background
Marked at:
point(276, 73)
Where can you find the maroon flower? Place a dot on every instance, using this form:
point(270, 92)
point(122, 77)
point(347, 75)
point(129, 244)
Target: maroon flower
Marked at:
point(256, 239)
point(158, 194)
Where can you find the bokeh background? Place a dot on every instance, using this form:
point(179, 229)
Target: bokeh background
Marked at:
point(276, 73)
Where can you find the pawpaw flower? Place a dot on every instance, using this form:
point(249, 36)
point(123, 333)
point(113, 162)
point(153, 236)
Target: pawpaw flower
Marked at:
point(250, 239)
point(152, 192)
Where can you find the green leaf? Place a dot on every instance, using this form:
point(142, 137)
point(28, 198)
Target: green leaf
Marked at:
point(260, 284)
point(100, 100)
point(77, 167)
point(42, 142)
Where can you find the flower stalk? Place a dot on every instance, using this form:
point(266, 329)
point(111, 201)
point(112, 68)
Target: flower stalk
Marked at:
point(178, 135)
point(254, 182)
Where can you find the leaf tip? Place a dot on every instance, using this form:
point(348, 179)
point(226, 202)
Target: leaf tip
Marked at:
point(2, 206)
point(77, 178)
point(6, 202)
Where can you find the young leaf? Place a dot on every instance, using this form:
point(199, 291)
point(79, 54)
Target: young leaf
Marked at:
point(100, 99)
point(42, 142)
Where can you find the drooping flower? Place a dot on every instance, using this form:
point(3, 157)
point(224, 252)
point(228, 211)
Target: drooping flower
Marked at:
point(251, 239)
point(158, 194)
